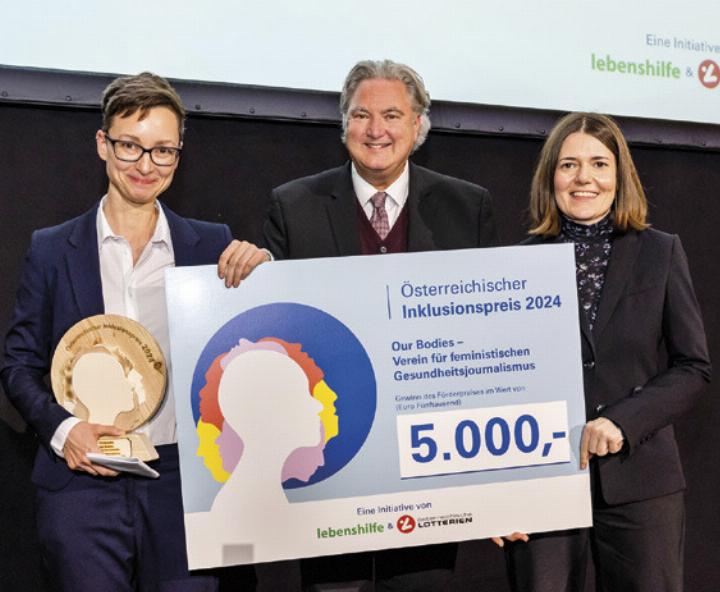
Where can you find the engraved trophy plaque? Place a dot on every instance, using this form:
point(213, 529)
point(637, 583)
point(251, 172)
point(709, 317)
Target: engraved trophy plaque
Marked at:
point(108, 369)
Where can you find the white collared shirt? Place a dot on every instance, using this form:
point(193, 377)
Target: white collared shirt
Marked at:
point(397, 194)
point(137, 292)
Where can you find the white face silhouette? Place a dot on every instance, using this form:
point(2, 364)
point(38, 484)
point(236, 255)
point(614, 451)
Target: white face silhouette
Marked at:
point(266, 392)
point(100, 384)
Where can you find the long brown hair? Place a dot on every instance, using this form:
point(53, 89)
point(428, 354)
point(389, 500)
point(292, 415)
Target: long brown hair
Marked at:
point(629, 208)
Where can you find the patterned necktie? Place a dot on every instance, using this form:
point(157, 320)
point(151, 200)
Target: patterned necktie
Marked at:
point(379, 220)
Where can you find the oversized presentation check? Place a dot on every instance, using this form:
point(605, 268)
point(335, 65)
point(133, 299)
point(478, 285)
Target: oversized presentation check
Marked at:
point(338, 405)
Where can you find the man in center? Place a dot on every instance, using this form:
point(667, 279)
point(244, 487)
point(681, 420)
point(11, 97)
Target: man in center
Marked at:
point(377, 203)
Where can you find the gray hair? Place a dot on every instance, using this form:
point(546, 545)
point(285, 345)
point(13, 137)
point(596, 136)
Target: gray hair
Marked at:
point(388, 70)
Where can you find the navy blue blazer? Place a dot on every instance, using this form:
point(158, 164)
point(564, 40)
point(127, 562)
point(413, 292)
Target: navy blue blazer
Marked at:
point(645, 362)
point(60, 285)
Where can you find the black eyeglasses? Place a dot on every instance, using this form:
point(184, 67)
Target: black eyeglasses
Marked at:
point(128, 151)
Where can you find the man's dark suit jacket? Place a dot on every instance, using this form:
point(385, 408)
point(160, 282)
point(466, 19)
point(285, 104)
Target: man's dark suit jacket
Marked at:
point(644, 363)
point(60, 286)
point(317, 216)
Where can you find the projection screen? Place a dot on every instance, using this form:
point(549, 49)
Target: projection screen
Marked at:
point(656, 60)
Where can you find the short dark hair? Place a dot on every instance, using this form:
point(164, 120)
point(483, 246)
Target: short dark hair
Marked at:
point(127, 94)
point(630, 205)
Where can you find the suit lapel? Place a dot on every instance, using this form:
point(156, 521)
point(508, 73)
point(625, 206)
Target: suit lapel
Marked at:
point(342, 213)
point(83, 260)
point(420, 238)
point(184, 239)
point(83, 264)
point(625, 250)
point(585, 332)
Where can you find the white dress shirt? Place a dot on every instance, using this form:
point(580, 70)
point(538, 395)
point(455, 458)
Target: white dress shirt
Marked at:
point(397, 194)
point(137, 292)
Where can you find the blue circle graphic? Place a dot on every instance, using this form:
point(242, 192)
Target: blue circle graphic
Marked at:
point(335, 350)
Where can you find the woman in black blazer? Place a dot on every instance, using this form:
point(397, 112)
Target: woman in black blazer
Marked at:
point(645, 362)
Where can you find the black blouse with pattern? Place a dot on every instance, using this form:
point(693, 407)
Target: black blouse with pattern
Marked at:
point(593, 244)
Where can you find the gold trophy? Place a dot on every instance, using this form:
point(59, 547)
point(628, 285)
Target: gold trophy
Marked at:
point(108, 369)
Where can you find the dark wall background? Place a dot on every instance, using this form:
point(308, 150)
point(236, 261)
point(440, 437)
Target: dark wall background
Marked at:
point(49, 172)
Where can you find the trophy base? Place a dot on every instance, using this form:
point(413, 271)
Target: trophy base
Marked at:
point(128, 446)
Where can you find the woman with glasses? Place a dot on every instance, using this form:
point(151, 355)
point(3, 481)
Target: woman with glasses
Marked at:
point(97, 529)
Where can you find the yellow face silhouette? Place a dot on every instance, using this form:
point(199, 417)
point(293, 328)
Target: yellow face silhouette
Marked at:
point(325, 395)
point(208, 450)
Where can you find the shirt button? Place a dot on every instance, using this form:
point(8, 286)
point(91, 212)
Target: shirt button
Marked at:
point(383, 249)
point(589, 365)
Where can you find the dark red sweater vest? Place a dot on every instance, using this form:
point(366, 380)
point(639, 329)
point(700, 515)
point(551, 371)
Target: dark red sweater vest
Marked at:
point(395, 242)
